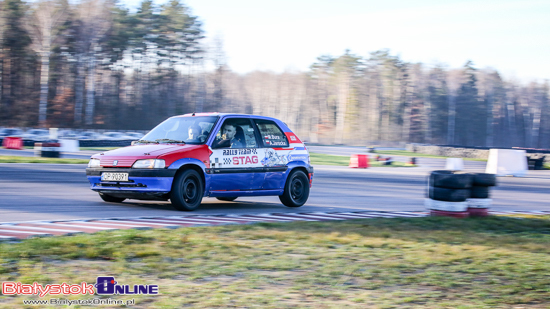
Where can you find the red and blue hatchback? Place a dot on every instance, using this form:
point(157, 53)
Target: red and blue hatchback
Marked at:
point(188, 157)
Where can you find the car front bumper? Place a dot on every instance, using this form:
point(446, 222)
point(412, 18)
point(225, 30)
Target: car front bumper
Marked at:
point(157, 181)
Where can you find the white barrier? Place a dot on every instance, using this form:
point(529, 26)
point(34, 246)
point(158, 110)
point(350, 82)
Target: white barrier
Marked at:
point(445, 206)
point(454, 164)
point(505, 162)
point(69, 145)
point(53, 133)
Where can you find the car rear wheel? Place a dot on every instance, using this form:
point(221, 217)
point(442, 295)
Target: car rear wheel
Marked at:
point(228, 199)
point(187, 191)
point(296, 190)
point(111, 199)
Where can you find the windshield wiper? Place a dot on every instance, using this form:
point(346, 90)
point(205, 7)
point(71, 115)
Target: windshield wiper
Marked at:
point(146, 141)
point(167, 140)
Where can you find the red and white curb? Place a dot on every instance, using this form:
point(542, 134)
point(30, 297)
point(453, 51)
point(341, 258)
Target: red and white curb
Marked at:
point(22, 230)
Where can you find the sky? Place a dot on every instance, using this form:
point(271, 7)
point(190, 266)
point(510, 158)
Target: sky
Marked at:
point(512, 37)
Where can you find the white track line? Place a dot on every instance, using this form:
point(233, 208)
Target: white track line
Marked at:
point(286, 217)
point(382, 214)
point(202, 219)
point(407, 214)
point(272, 218)
point(343, 215)
point(324, 217)
point(361, 215)
point(74, 225)
point(22, 232)
point(243, 217)
point(105, 223)
point(131, 222)
point(38, 228)
point(248, 218)
point(170, 221)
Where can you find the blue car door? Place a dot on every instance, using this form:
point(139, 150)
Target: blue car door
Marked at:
point(234, 162)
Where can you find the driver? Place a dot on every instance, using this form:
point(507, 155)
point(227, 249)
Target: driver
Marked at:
point(229, 138)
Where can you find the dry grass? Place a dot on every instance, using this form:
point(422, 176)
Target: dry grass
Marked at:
point(367, 263)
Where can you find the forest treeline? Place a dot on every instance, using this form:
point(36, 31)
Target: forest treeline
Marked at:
point(96, 64)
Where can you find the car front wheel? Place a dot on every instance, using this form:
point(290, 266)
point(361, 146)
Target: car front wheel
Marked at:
point(296, 190)
point(187, 191)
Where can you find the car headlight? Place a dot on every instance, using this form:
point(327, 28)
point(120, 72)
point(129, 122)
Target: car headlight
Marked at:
point(93, 163)
point(149, 163)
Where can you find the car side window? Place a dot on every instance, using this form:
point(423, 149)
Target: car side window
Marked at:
point(235, 133)
point(271, 134)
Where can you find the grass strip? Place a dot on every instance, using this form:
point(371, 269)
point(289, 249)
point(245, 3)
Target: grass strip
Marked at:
point(316, 158)
point(434, 262)
point(326, 159)
point(416, 154)
point(18, 159)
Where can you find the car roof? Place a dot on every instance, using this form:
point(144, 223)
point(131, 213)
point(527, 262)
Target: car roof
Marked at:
point(283, 125)
point(226, 115)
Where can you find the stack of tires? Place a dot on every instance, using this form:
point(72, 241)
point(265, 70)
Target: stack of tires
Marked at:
point(459, 195)
point(448, 194)
point(480, 194)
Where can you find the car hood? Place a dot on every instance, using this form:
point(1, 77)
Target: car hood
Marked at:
point(128, 155)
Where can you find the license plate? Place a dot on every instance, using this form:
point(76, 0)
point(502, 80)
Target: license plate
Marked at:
point(114, 177)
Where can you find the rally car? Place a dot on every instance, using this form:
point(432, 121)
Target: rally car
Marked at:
point(188, 157)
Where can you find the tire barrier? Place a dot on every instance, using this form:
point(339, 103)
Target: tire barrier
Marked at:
point(480, 194)
point(459, 195)
point(47, 150)
point(448, 195)
point(450, 180)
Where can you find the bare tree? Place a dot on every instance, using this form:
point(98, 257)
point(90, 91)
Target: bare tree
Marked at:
point(455, 78)
point(2, 25)
point(94, 19)
point(43, 24)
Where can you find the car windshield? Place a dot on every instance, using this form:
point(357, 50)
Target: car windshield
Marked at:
point(190, 130)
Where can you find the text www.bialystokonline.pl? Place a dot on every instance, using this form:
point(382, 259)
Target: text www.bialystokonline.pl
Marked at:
point(80, 302)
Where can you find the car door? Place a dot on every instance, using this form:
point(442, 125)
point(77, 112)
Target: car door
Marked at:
point(274, 150)
point(234, 162)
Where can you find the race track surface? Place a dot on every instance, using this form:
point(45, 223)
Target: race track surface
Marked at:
point(61, 192)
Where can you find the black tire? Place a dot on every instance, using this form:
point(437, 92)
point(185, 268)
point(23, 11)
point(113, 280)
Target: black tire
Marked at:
point(446, 179)
point(479, 192)
point(448, 195)
point(111, 199)
point(484, 180)
point(296, 189)
point(227, 199)
point(187, 191)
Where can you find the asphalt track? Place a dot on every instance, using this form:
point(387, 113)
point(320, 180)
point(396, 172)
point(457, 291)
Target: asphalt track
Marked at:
point(61, 192)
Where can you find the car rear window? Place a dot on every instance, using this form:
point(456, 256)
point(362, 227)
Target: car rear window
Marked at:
point(271, 134)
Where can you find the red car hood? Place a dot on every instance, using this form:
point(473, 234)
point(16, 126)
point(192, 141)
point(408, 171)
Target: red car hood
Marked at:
point(126, 156)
